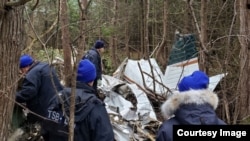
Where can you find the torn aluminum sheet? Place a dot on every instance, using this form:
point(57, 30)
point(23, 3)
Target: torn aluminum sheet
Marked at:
point(147, 74)
point(144, 109)
point(116, 99)
point(119, 71)
point(214, 80)
point(141, 112)
point(175, 72)
point(117, 92)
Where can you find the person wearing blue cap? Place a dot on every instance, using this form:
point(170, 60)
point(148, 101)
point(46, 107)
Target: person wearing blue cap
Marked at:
point(39, 87)
point(94, 55)
point(193, 104)
point(92, 121)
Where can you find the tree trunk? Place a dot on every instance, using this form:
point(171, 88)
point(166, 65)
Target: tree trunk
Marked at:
point(68, 70)
point(11, 44)
point(142, 29)
point(243, 101)
point(188, 24)
point(65, 38)
point(146, 21)
point(160, 54)
point(203, 54)
point(83, 4)
point(113, 41)
point(127, 31)
point(203, 36)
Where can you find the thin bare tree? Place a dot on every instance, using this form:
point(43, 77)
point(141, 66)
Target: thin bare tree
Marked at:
point(146, 30)
point(113, 40)
point(163, 45)
point(68, 70)
point(203, 36)
point(65, 38)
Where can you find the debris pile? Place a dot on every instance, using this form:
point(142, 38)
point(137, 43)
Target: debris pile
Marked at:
point(135, 92)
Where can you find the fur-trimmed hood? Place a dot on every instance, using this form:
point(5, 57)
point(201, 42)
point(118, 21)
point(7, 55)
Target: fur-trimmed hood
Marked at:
point(191, 104)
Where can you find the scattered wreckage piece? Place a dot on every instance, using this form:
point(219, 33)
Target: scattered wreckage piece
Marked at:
point(175, 72)
point(145, 76)
point(130, 110)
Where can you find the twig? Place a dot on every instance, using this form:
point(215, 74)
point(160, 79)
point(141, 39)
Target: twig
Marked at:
point(16, 3)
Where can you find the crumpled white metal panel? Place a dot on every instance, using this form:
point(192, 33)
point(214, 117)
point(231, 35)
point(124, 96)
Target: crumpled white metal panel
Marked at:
point(133, 73)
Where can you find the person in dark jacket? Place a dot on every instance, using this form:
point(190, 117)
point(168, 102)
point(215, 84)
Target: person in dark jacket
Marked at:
point(94, 55)
point(92, 121)
point(39, 87)
point(194, 104)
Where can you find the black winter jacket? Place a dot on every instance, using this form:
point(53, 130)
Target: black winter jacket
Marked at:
point(94, 56)
point(92, 121)
point(39, 88)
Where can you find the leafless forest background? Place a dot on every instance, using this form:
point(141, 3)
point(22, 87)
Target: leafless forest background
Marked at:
point(136, 29)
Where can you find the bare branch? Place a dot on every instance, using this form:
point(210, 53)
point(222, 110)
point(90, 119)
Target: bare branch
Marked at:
point(34, 7)
point(16, 3)
point(41, 36)
point(83, 5)
point(189, 2)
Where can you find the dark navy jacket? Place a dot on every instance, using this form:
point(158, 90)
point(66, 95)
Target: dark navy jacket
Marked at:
point(94, 56)
point(194, 107)
point(38, 89)
point(92, 121)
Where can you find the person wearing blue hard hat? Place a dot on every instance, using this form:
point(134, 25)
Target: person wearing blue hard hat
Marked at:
point(193, 104)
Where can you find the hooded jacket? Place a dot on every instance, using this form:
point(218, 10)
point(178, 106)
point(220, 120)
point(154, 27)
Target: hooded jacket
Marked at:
point(92, 122)
point(39, 88)
point(193, 107)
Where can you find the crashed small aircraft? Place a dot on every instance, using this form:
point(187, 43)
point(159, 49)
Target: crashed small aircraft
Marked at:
point(138, 87)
